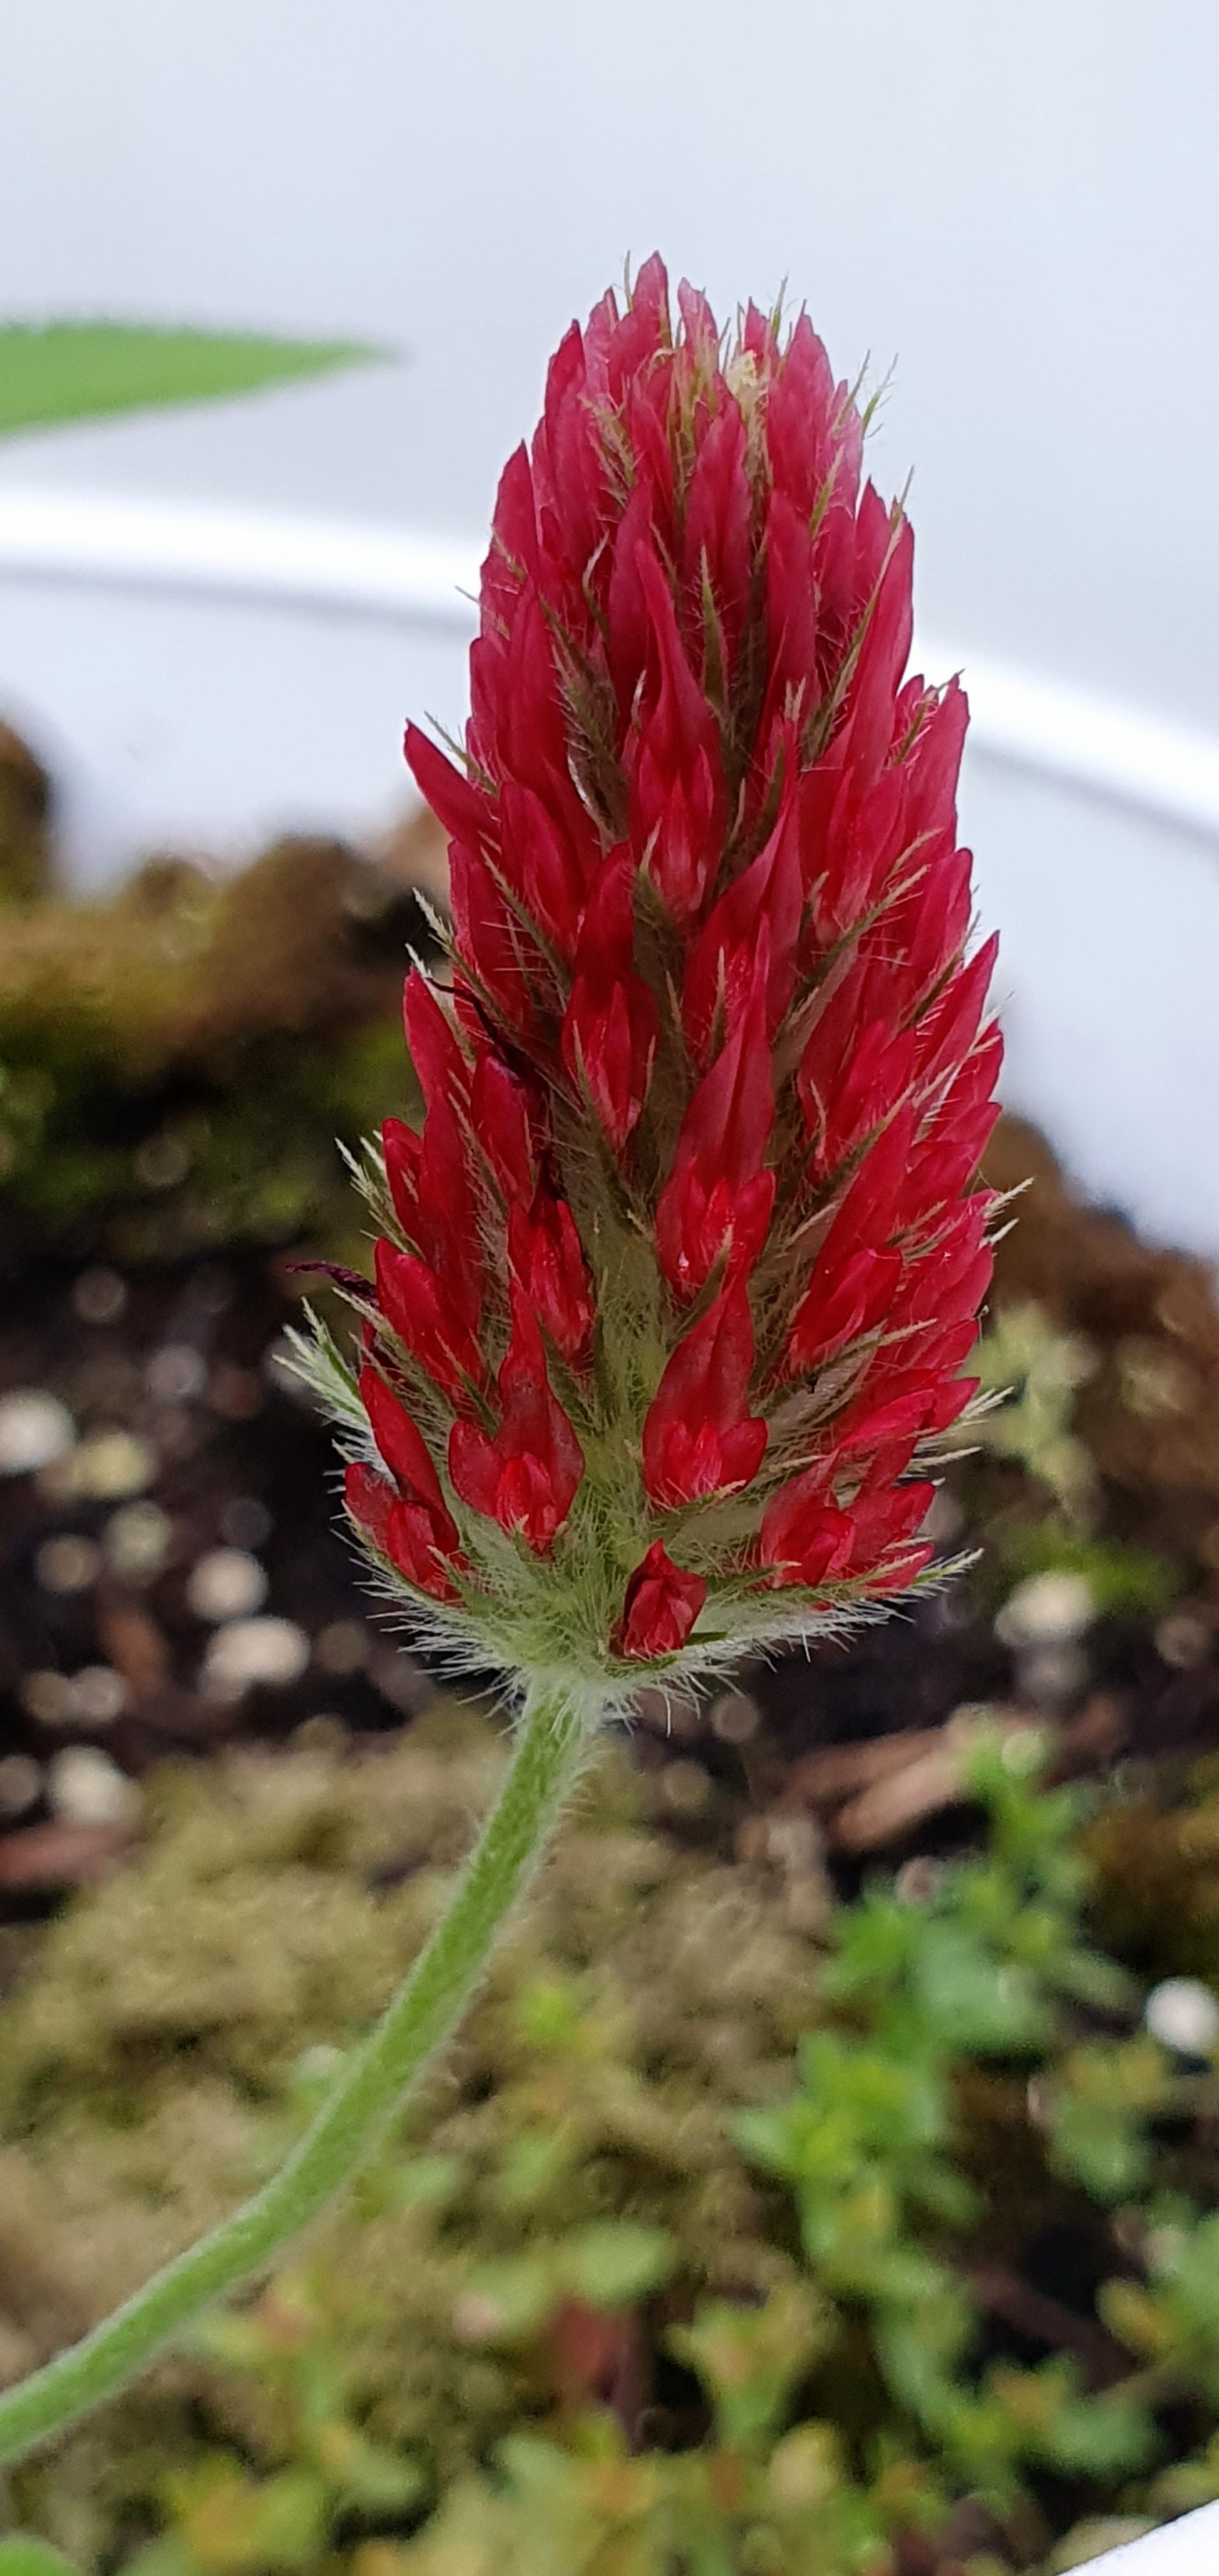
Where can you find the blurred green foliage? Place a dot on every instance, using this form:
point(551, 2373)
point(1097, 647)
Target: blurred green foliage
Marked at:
point(643, 2301)
point(1031, 1371)
point(61, 371)
point(178, 1058)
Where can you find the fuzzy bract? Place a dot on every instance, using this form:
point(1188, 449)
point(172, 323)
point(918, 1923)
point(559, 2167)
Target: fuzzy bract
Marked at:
point(679, 1270)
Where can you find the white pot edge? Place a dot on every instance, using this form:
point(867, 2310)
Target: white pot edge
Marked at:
point(1101, 747)
point(1189, 2547)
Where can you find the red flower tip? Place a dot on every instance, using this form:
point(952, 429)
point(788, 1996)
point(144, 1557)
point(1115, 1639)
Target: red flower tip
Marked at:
point(408, 1520)
point(548, 1259)
point(698, 1436)
point(718, 1196)
point(661, 1605)
point(611, 1022)
point(673, 761)
point(418, 1307)
point(764, 904)
point(504, 1121)
point(525, 1476)
point(403, 1531)
point(809, 1539)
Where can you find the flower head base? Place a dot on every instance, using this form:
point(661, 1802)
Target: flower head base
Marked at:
point(678, 1273)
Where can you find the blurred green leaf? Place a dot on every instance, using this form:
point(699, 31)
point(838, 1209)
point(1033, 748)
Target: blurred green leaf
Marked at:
point(749, 2359)
point(246, 2527)
point(22, 2557)
point(616, 2261)
point(976, 2003)
point(55, 372)
point(1102, 2437)
point(508, 2298)
point(1103, 2148)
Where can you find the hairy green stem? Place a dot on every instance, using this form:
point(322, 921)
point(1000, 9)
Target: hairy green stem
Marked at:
point(369, 2088)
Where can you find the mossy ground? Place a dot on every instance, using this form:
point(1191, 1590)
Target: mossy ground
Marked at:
point(572, 2191)
point(153, 2058)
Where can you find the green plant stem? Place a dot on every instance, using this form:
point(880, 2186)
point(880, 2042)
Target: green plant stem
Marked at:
point(553, 1734)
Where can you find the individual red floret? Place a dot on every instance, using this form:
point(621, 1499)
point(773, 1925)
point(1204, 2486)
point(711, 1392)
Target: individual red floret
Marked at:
point(699, 1436)
point(526, 1475)
point(611, 1023)
point(661, 1605)
point(720, 1193)
point(408, 1520)
point(547, 1257)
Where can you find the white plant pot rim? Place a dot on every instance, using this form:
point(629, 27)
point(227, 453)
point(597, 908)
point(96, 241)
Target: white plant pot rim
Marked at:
point(1189, 2547)
point(275, 558)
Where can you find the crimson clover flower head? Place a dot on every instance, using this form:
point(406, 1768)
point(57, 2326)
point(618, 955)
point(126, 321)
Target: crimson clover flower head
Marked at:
point(678, 1274)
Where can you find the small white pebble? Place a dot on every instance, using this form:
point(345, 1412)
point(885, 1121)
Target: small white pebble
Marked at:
point(245, 1652)
point(918, 1880)
point(321, 1733)
point(685, 1788)
point(400, 1681)
point(99, 1695)
point(1183, 2015)
point(110, 1465)
point(1048, 1609)
point(1047, 1674)
point(176, 1373)
point(68, 1563)
point(342, 1648)
point(1183, 1639)
point(35, 1430)
point(794, 1844)
point(99, 1296)
point(245, 1522)
point(137, 1541)
point(1024, 1750)
point(476, 2318)
point(20, 1783)
point(227, 1583)
point(213, 1288)
point(163, 1161)
point(317, 2064)
point(47, 1698)
point(735, 1718)
point(86, 1788)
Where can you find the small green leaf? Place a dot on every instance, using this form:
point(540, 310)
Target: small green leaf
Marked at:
point(1102, 2437)
point(615, 2261)
point(507, 2299)
point(371, 2476)
point(20, 2556)
point(1100, 2148)
point(68, 371)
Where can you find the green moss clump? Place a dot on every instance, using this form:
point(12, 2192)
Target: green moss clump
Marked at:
point(704, 2251)
point(153, 2067)
point(25, 818)
point(177, 1060)
point(1156, 1869)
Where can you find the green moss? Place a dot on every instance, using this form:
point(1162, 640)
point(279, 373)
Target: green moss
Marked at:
point(1156, 1864)
point(25, 810)
point(153, 2068)
point(687, 2264)
point(177, 1060)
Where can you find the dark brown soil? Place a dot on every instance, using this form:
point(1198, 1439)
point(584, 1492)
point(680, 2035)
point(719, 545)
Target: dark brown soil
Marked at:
point(186, 1359)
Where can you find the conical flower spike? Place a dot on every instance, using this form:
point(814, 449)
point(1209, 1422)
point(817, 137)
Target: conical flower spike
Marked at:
point(682, 1267)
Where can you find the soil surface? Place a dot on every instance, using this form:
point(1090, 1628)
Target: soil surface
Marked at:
point(177, 1574)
